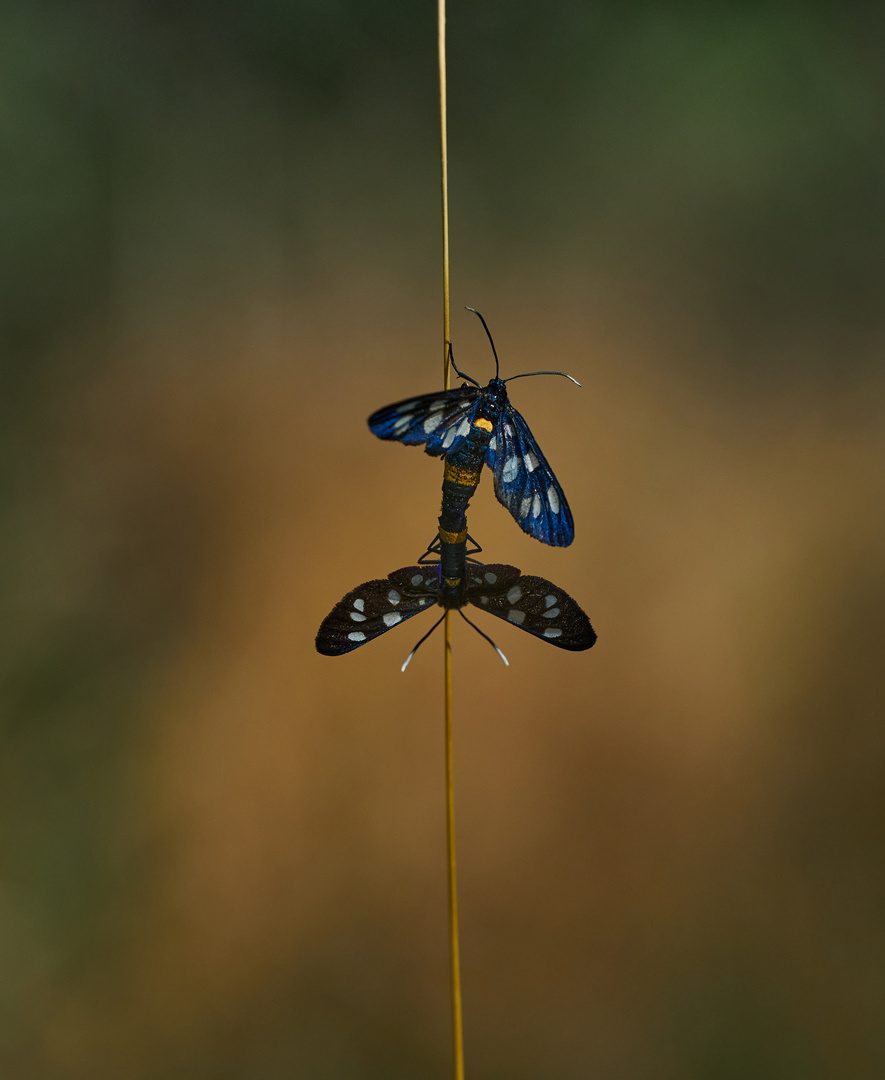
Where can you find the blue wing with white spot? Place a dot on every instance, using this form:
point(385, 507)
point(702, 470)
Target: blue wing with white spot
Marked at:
point(439, 420)
point(525, 483)
point(537, 606)
point(373, 608)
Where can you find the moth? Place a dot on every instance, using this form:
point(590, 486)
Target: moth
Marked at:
point(530, 603)
point(474, 425)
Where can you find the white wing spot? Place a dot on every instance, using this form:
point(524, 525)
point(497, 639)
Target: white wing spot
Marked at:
point(483, 599)
point(450, 437)
point(514, 595)
point(435, 406)
point(355, 615)
point(552, 613)
point(531, 462)
point(511, 468)
point(402, 424)
point(552, 632)
point(508, 430)
point(524, 506)
point(478, 580)
point(432, 423)
point(417, 579)
point(553, 499)
point(356, 635)
point(359, 604)
point(493, 443)
point(464, 428)
point(393, 596)
point(549, 600)
point(391, 618)
point(515, 616)
point(536, 505)
point(465, 404)
point(491, 578)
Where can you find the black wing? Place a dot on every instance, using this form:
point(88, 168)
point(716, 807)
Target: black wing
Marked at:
point(440, 420)
point(534, 605)
point(373, 608)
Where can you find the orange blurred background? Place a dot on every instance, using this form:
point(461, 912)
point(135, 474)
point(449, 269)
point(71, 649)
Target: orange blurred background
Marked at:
point(224, 853)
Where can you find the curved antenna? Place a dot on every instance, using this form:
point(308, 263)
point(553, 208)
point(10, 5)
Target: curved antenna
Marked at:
point(526, 375)
point(421, 642)
point(477, 629)
point(495, 351)
point(460, 374)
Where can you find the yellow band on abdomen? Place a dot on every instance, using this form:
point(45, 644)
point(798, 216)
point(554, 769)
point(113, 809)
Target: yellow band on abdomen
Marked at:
point(463, 477)
point(452, 538)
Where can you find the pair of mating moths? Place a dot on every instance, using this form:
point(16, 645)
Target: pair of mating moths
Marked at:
point(469, 426)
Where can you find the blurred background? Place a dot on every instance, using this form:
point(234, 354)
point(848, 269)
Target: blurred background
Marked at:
point(223, 854)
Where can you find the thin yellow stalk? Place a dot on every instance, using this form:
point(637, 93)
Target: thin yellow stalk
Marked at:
point(457, 1030)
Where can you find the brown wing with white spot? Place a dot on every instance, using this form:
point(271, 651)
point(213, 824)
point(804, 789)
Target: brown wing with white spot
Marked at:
point(373, 608)
point(538, 607)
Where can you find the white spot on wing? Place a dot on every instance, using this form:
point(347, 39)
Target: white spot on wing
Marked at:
point(515, 616)
point(435, 406)
point(402, 424)
point(491, 578)
point(417, 579)
point(359, 604)
point(508, 430)
point(391, 618)
point(450, 437)
point(432, 423)
point(493, 443)
point(536, 505)
point(549, 600)
point(356, 635)
point(524, 506)
point(483, 599)
point(531, 462)
point(553, 499)
point(355, 615)
point(511, 468)
point(393, 596)
point(552, 613)
point(552, 632)
point(464, 428)
point(514, 595)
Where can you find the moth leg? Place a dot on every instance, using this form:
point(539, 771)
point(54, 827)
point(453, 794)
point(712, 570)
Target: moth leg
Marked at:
point(432, 549)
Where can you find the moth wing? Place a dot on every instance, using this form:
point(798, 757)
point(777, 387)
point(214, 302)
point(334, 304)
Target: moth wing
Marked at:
point(367, 612)
point(440, 420)
point(525, 483)
point(539, 607)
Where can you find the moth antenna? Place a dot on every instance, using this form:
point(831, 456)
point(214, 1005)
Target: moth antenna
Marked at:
point(494, 350)
point(486, 636)
point(528, 373)
point(421, 642)
point(460, 374)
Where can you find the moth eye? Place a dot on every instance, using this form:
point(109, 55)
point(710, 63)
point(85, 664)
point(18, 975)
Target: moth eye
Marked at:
point(514, 595)
point(356, 635)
